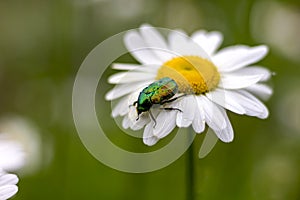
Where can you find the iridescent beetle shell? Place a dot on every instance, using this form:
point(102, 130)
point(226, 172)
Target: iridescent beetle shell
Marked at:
point(158, 92)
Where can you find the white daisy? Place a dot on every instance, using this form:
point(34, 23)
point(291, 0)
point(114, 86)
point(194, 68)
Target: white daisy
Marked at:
point(8, 186)
point(212, 82)
point(12, 157)
point(24, 137)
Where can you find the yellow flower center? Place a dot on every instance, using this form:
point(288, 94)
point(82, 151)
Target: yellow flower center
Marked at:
point(193, 75)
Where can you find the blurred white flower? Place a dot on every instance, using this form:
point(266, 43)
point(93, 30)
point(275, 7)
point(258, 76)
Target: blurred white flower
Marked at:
point(277, 23)
point(12, 155)
point(8, 186)
point(24, 135)
point(20, 150)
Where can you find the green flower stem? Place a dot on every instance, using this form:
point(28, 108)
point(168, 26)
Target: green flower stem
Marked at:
point(190, 176)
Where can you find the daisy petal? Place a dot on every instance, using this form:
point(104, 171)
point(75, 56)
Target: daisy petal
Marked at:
point(199, 119)
point(224, 99)
point(262, 91)
point(250, 103)
point(129, 77)
point(121, 108)
point(137, 68)
point(225, 134)
point(236, 57)
point(152, 36)
point(140, 123)
point(123, 89)
point(165, 123)
point(229, 81)
point(8, 191)
point(155, 41)
point(125, 66)
point(148, 137)
point(216, 118)
point(254, 70)
point(213, 115)
point(139, 49)
point(8, 179)
point(126, 122)
point(209, 41)
point(187, 106)
point(183, 45)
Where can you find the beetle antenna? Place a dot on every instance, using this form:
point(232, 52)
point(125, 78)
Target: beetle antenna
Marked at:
point(134, 103)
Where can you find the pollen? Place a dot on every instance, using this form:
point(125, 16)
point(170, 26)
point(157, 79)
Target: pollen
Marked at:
point(193, 74)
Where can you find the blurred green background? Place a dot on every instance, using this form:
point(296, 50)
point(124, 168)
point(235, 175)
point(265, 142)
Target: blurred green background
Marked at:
point(43, 44)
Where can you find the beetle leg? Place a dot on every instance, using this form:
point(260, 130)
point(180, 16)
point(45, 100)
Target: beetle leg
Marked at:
point(171, 100)
point(152, 117)
point(172, 109)
point(138, 117)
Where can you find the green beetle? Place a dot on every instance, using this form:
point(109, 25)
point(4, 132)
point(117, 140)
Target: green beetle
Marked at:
point(158, 92)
